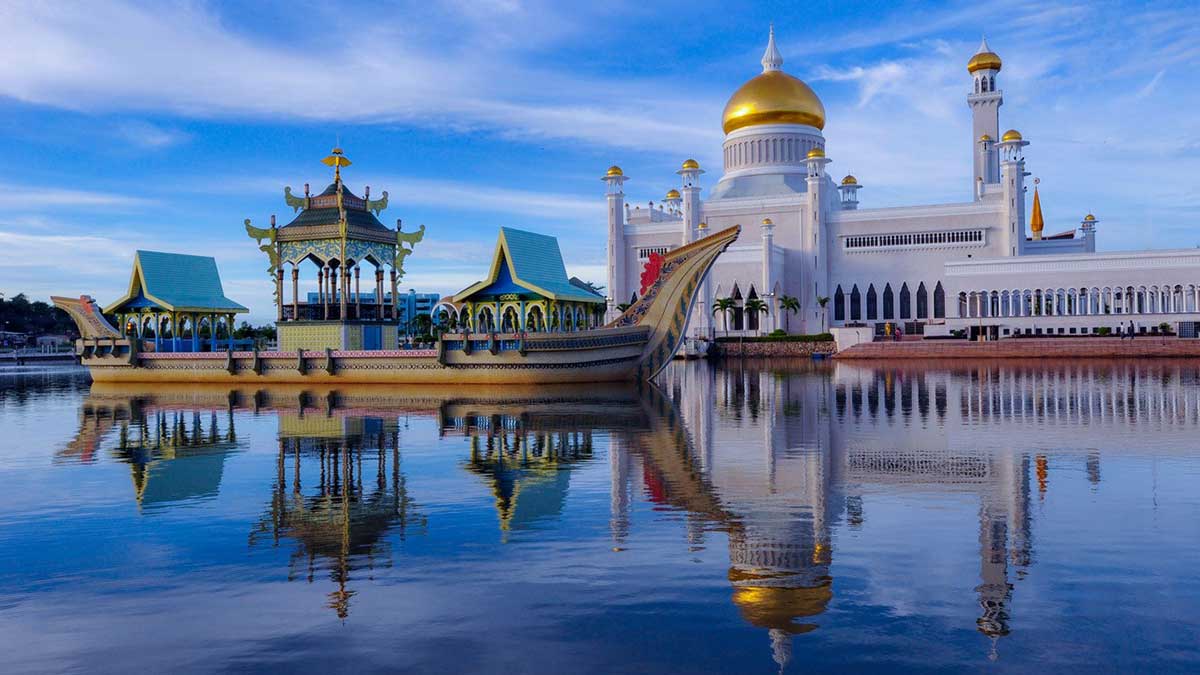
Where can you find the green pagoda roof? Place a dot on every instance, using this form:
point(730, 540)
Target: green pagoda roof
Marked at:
point(532, 262)
point(175, 282)
point(324, 211)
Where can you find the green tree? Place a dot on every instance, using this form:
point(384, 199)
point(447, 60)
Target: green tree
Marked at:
point(725, 306)
point(788, 305)
point(756, 306)
point(823, 300)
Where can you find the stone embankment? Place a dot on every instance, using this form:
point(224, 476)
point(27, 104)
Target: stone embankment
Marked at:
point(780, 349)
point(1028, 348)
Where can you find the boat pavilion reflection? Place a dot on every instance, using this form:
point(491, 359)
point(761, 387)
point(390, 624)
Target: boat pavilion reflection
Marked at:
point(174, 453)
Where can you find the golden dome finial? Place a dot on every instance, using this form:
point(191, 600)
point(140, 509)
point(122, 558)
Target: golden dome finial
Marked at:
point(672, 194)
point(849, 180)
point(1011, 135)
point(1090, 218)
point(816, 152)
point(984, 59)
point(690, 164)
point(614, 170)
point(772, 60)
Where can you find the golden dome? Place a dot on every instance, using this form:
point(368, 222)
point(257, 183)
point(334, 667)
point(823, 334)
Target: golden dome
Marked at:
point(985, 137)
point(774, 97)
point(816, 152)
point(614, 170)
point(672, 194)
point(1011, 135)
point(702, 226)
point(691, 164)
point(984, 61)
point(984, 58)
point(1089, 217)
point(767, 221)
point(849, 180)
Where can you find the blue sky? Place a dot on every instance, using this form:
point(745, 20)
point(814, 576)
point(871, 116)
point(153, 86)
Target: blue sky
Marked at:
point(163, 125)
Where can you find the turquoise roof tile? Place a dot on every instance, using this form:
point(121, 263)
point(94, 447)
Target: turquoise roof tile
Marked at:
point(177, 281)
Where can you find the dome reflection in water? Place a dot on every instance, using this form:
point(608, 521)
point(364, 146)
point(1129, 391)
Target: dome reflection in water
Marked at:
point(724, 518)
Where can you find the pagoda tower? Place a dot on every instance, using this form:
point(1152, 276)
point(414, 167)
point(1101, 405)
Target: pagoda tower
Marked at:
point(336, 232)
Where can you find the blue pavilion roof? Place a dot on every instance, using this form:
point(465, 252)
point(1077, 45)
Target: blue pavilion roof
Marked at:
point(527, 261)
point(175, 282)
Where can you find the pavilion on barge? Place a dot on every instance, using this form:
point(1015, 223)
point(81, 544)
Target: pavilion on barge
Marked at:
point(178, 301)
point(526, 290)
point(336, 231)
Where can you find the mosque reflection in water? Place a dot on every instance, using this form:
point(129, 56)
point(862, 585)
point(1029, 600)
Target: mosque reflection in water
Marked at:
point(774, 461)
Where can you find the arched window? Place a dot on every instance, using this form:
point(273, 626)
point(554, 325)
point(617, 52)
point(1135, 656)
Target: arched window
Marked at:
point(752, 317)
point(922, 302)
point(939, 301)
point(739, 314)
point(905, 302)
point(855, 304)
point(839, 305)
point(889, 303)
point(872, 303)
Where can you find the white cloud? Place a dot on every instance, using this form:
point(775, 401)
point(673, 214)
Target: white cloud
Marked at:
point(180, 58)
point(150, 136)
point(29, 197)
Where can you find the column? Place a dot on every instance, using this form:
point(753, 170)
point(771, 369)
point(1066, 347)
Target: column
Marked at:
point(395, 299)
point(295, 292)
point(157, 332)
point(279, 293)
point(344, 281)
point(379, 291)
point(196, 328)
point(229, 329)
point(357, 295)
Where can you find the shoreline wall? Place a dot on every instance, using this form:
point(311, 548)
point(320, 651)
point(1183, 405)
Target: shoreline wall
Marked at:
point(780, 349)
point(1028, 348)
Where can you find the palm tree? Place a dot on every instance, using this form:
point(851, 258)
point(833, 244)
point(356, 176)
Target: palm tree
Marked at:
point(725, 306)
point(756, 306)
point(788, 304)
point(823, 300)
point(623, 306)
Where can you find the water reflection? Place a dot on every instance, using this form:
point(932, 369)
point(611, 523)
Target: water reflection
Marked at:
point(174, 454)
point(773, 469)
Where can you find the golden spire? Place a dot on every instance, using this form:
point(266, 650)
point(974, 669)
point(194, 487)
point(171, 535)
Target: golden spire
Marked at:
point(1036, 222)
point(337, 160)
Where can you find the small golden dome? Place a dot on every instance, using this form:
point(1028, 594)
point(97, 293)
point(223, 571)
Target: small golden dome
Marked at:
point(691, 164)
point(702, 226)
point(985, 137)
point(984, 61)
point(1011, 135)
point(1089, 217)
point(849, 180)
point(614, 170)
point(816, 152)
point(774, 97)
point(767, 221)
point(672, 194)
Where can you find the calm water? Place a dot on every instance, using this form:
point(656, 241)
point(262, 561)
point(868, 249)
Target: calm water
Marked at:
point(794, 517)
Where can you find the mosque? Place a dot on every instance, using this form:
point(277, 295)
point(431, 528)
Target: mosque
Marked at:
point(812, 256)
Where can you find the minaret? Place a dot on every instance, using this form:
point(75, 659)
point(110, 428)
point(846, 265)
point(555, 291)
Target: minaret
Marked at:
point(1012, 179)
point(1036, 222)
point(1088, 227)
point(815, 284)
point(768, 273)
point(617, 274)
point(689, 173)
point(985, 101)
